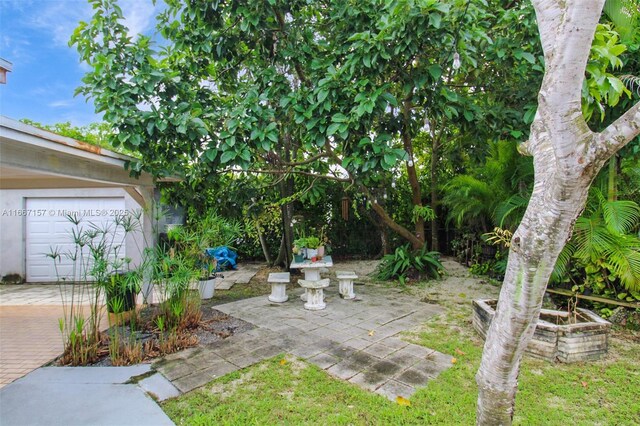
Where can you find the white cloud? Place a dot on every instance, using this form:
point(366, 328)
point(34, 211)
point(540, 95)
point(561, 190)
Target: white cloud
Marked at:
point(16, 49)
point(58, 18)
point(63, 103)
point(61, 17)
point(139, 15)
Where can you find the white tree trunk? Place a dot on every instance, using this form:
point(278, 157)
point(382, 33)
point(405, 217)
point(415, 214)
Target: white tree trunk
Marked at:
point(567, 156)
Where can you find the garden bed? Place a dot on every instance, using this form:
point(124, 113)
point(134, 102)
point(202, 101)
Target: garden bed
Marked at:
point(211, 327)
point(559, 335)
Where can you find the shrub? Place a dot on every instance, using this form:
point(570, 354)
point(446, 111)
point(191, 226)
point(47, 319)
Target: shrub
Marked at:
point(404, 263)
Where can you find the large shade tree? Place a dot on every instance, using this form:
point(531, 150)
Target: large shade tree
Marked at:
point(284, 87)
point(567, 155)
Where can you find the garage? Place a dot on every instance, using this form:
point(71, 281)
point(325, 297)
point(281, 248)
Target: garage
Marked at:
point(45, 176)
point(47, 227)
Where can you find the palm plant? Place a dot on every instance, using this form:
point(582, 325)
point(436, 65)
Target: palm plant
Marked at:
point(495, 194)
point(606, 245)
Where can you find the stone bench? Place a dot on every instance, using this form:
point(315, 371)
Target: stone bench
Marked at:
point(278, 281)
point(315, 293)
point(345, 283)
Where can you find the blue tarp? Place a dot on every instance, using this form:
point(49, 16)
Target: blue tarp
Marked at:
point(224, 256)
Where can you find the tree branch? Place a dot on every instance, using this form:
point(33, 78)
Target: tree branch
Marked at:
point(549, 16)
point(307, 161)
point(619, 133)
point(281, 172)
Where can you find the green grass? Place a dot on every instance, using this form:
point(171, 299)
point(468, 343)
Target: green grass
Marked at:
point(297, 393)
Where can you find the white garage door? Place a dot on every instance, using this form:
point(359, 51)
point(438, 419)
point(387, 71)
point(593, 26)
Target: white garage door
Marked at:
point(48, 228)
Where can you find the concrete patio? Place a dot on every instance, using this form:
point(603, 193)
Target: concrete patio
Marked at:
point(355, 340)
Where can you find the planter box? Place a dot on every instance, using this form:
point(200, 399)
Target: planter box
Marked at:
point(555, 336)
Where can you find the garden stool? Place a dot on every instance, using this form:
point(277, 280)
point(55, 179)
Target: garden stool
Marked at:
point(279, 281)
point(315, 293)
point(345, 283)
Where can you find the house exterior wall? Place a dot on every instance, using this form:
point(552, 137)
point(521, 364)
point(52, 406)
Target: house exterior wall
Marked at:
point(13, 224)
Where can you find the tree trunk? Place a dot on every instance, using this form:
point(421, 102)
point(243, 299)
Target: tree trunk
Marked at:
point(535, 247)
point(388, 221)
point(287, 187)
point(265, 246)
point(435, 152)
point(281, 259)
point(399, 229)
point(416, 194)
point(567, 156)
point(612, 184)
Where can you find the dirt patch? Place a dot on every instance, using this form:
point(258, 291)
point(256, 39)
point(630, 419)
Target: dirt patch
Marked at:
point(216, 326)
point(457, 286)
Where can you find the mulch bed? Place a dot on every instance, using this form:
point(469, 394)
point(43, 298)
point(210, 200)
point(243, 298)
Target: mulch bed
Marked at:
point(213, 326)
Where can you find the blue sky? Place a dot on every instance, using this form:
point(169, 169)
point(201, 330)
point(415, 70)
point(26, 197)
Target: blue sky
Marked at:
point(46, 71)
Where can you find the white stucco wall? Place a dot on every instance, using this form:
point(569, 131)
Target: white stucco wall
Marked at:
point(12, 226)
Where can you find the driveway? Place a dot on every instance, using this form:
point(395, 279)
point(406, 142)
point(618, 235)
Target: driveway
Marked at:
point(29, 333)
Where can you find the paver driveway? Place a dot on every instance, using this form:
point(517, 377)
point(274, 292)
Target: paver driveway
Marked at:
point(29, 333)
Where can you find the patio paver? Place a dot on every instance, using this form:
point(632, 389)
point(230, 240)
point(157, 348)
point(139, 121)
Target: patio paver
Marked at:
point(240, 276)
point(355, 340)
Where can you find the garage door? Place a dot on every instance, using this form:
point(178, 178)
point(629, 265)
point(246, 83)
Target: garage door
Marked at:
point(48, 228)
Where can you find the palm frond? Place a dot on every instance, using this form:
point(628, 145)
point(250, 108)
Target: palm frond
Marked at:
point(592, 239)
point(625, 15)
point(467, 198)
point(511, 210)
point(622, 216)
point(632, 82)
point(561, 268)
point(624, 261)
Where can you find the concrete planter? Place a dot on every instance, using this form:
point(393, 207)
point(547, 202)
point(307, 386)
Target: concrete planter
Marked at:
point(557, 336)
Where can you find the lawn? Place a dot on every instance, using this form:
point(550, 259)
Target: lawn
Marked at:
point(286, 390)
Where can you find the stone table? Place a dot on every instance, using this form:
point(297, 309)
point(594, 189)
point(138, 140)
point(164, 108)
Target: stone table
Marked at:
point(311, 272)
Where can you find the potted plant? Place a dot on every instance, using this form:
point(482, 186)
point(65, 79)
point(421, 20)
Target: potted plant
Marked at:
point(207, 286)
point(312, 244)
point(121, 289)
point(298, 256)
point(323, 241)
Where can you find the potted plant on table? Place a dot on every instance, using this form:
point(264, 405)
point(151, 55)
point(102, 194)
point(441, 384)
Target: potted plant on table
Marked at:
point(297, 250)
point(312, 244)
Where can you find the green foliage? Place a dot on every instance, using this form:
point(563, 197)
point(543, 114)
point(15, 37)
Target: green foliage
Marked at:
point(422, 212)
point(404, 263)
point(626, 19)
point(606, 248)
point(98, 267)
point(495, 194)
point(318, 87)
point(95, 134)
point(308, 242)
point(601, 88)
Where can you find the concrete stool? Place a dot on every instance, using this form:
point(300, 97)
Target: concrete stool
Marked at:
point(279, 281)
point(315, 293)
point(345, 283)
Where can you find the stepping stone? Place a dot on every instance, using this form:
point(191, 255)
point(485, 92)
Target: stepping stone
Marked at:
point(225, 284)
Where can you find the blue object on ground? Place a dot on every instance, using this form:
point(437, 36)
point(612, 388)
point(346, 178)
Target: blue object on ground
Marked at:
point(224, 256)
